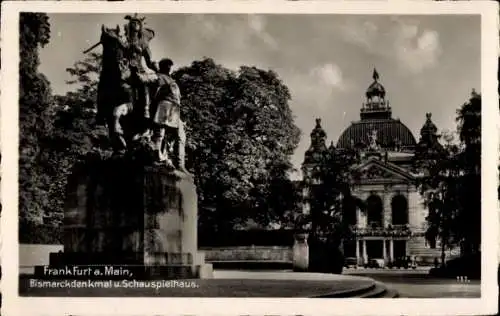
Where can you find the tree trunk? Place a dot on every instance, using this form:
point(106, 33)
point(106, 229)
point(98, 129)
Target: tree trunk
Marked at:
point(443, 254)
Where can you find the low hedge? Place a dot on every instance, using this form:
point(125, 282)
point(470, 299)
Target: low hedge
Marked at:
point(40, 234)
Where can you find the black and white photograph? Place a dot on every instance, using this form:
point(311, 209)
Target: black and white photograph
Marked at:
point(172, 152)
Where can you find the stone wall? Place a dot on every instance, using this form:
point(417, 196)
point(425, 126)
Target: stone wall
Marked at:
point(258, 253)
point(31, 255)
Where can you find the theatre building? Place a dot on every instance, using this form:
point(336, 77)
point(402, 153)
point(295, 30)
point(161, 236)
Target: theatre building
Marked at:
point(393, 221)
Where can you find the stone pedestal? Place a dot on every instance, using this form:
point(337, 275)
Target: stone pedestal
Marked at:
point(300, 253)
point(120, 211)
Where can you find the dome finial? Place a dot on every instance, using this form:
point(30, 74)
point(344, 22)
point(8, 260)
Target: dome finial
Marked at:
point(376, 89)
point(375, 74)
point(429, 128)
point(318, 142)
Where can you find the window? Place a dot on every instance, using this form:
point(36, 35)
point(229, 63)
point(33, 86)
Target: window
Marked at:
point(375, 209)
point(399, 207)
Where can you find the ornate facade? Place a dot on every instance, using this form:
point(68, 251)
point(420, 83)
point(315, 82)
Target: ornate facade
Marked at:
point(393, 222)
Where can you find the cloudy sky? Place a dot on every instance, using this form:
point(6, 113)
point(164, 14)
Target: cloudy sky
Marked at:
point(426, 63)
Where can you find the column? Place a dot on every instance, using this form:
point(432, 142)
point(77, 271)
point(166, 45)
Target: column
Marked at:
point(391, 250)
point(365, 253)
point(384, 250)
point(387, 217)
point(357, 218)
point(357, 251)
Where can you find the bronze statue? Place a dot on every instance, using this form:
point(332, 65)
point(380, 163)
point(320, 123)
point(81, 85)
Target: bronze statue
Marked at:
point(131, 101)
point(114, 95)
point(168, 128)
point(137, 39)
point(373, 140)
point(122, 89)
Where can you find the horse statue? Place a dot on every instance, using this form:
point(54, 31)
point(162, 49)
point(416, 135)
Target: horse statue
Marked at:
point(128, 97)
point(117, 105)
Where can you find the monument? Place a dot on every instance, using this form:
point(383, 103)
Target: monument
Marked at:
point(137, 207)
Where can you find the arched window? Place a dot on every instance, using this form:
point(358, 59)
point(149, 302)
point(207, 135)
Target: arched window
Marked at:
point(399, 207)
point(375, 209)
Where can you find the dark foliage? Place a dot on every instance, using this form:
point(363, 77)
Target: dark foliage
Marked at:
point(469, 216)
point(35, 111)
point(30, 233)
point(332, 204)
point(241, 135)
point(451, 184)
point(332, 209)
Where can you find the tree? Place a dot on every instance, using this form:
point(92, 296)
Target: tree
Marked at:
point(451, 181)
point(332, 208)
point(75, 131)
point(241, 135)
point(34, 120)
point(469, 219)
point(441, 189)
point(84, 75)
point(329, 192)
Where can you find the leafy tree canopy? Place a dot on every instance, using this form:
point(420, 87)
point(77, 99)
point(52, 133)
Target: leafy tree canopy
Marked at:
point(241, 134)
point(35, 120)
point(451, 184)
point(333, 207)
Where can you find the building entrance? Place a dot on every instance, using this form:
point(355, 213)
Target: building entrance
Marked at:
point(350, 248)
point(375, 249)
point(399, 248)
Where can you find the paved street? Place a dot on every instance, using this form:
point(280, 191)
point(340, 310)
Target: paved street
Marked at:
point(408, 283)
point(280, 283)
point(224, 284)
point(418, 284)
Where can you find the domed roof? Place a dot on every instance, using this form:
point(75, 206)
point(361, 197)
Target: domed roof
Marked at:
point(388, 133)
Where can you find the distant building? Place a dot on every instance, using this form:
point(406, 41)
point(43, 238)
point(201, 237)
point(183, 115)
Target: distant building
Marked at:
point(393, 223)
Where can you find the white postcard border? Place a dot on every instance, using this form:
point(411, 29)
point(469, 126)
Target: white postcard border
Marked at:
point(15, 305)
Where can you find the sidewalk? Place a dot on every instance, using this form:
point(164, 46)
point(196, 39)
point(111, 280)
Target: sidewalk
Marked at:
point(362, 270)
point(225, 284)
point(283, 275)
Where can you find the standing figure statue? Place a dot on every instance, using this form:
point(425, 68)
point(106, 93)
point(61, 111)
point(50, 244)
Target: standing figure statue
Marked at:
point(373, 140)
point(168, 129)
